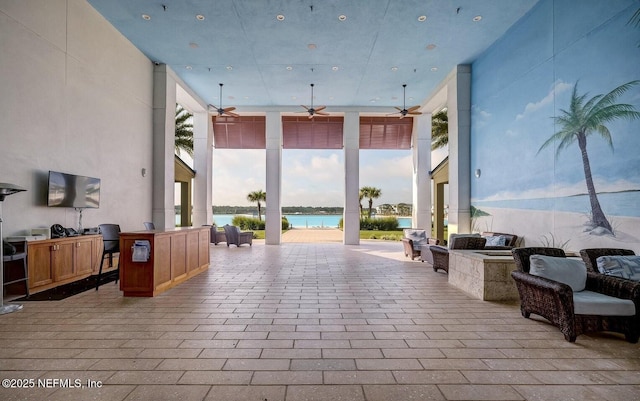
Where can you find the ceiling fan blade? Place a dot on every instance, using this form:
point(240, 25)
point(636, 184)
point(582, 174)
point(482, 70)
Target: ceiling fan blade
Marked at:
point(414, 113)
point(393, 114)
point(310, 116)
point(322, 113)
point(226, 109)
point(320, 108)
point(306, 108)
point(397, 108)
point(410, 109)
point(402, 116)
point(232, 114)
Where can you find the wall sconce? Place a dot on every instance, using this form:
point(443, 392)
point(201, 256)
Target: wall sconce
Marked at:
point(144, 172)
point(478, 173)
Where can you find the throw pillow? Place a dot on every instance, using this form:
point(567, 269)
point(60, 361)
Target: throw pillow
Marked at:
point(496, 240)
point(419, 238)
point(572, 272)
point(620, 266)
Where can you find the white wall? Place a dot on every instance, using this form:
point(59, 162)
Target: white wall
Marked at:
point(75, 97)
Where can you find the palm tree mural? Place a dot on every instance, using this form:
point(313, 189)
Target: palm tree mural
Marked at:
point(371, 193)
point(184, 131)
point(583, 119)
point(439, 130)
point(257, 196)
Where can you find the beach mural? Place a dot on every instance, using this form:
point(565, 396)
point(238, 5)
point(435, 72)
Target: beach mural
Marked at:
point(556, 127)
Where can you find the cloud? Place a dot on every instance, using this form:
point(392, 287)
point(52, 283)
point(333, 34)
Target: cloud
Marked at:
point(557, 88)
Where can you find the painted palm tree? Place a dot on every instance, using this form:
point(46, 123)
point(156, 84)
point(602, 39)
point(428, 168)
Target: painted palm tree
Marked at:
point(584, 118)
point(439, 130)
point(370, 193)
point(184, 131)
point(258, 196)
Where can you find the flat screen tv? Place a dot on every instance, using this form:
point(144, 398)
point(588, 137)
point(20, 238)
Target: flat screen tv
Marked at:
point(68, 190)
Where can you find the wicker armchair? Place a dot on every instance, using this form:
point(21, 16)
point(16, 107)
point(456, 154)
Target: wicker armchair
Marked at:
point(414, 240)
point(554, 300)
point(236, 237)
point(590, 256)
point(441, 254)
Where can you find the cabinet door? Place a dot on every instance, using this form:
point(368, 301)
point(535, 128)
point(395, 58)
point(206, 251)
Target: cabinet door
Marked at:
point(83, 256)
point(39, 262)
point(62, 261)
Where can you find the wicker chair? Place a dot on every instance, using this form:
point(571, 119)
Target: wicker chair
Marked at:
point(553, 300)
point(590, 256)
point(441, 254)
point(414, 240)
point(236, 237)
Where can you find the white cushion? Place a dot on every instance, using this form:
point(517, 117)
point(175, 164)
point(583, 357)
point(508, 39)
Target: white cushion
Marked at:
point(620, 266)
point(572, 272)
point(419, 237)
point(594, 303)
point(496, 240)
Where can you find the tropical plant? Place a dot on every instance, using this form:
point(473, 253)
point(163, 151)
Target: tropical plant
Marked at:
point(370, 193)
point(439, 130)
point(257, 196)
point(184, 131)
point(581, 120)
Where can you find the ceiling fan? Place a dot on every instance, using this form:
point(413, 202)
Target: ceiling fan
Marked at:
point(404, 111)
point(313, 111)
point(226, 111)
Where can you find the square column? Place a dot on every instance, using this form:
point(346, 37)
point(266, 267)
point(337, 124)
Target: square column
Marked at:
point(203, 165)
point(351, 216)
point(421, 213)
point(273, 213)
point(459, 112)
point(164, 131)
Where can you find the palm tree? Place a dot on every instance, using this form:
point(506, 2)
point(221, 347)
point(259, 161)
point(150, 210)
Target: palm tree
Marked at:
point(184, 131)
point(371, 193)
point(439, 130)
point(581, 120)
point(360, 198)
point(257, 196)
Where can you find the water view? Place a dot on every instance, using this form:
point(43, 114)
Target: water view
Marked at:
point(308, 220)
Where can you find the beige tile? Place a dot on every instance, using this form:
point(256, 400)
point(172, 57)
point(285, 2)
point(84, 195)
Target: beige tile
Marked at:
point(359, 377)
point(297, 377)
point(166, 392)
point(480, 392)
point(402, 392)
point(325, 393)
point(245, 393)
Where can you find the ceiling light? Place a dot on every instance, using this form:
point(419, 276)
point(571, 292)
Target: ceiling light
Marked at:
point(188, 67)
point(311, 46)
point(422, 18)
point(477, 18)
point(335, 68)
point(342, 17)
point(294, 97)
point(146, 17)
point(431, 46)
point(280, 17)
point(200, 17)
point(434, 69)
point(394, 69)
point(229, 68)
point(289, 68)
point(193, 45)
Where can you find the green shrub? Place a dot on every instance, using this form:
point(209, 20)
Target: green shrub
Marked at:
point(375, 223)
point(252, 223)
point(285, 223)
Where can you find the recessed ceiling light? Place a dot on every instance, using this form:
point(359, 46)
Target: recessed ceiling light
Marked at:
point(422, 18)
point(311, 46)
point(434, 69)
point(335, 68)
point(372, 100)
point(229, 68)
point(146, 17)
point(331, 97)
point(394, 69)
point(431, 46)
point(193, 45)
point(294, 97)
point(200, 17)
point(280, 17)
point(246, 97)
point(289, 68)
point(188, 67)
point(342, 17)
point(477, 18)
point(394, 97)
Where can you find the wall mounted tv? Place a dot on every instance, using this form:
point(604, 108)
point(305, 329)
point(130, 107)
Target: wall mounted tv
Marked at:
point(68, 190)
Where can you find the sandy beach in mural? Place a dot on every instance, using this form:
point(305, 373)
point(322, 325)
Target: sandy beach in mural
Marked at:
point(543, 228)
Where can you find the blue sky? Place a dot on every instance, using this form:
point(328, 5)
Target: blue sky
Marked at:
point(311, 177)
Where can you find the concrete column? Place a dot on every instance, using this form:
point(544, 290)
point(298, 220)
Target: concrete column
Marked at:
point(421, 213)
point(203, 165)
point(273, 213)
point(459, 113)
point(351, 142)
point(164, 128)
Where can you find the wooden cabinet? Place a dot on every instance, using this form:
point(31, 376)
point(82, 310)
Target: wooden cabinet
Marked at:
point(63, 260)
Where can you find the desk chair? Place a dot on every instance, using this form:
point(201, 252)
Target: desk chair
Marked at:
point(111, 240)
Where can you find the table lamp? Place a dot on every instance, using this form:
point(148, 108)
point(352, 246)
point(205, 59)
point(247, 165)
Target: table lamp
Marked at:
point(6, 190)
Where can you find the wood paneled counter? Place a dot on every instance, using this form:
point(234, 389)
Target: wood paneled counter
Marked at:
point(175, 256)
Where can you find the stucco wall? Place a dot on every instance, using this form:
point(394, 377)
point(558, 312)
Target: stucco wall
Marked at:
point(519, 88)
point(76, 97)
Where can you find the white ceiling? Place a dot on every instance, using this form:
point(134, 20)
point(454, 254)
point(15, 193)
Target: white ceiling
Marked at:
point(361, 62)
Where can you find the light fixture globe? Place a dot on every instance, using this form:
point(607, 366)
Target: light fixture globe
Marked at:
point(6, 190)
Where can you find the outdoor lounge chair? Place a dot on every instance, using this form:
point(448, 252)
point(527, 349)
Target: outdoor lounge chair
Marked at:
point(573, 299)
point(414, 240)
point(440, 254)
point(237, 237)
point(216, 236)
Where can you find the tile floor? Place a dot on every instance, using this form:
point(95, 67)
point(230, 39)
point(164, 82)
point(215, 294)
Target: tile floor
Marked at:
point(305, 321)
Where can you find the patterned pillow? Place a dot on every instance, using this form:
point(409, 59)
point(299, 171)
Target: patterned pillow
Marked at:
point(496, 240)
point(572, 272)
point(620, 266)
point(419, 237)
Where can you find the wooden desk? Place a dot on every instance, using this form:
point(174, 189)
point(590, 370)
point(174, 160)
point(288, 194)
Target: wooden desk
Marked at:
point(175, 256)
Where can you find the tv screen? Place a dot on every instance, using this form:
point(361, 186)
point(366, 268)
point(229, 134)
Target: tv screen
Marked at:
point(68, 190)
